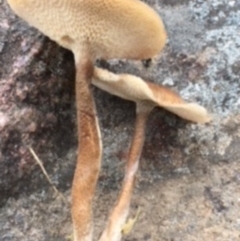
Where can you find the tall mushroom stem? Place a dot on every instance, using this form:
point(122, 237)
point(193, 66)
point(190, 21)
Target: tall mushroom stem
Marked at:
point(89, 154)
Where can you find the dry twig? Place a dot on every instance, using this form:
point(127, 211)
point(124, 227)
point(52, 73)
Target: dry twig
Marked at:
point(39, 162)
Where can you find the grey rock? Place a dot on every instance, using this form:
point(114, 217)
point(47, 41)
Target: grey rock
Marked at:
point(188, 186)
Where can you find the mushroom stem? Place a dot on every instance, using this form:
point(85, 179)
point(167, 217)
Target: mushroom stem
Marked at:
point(89, 154)
point(118, 216)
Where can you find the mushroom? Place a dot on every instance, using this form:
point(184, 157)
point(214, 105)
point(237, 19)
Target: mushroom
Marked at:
point(107, 29)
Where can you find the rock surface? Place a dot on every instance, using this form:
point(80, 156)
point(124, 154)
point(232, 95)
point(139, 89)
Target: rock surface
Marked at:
point(188, 186)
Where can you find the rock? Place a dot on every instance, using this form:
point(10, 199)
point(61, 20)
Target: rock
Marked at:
point(191, 171)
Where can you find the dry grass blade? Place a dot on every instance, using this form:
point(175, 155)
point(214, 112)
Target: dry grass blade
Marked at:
point(128, 226)
point(39, 162)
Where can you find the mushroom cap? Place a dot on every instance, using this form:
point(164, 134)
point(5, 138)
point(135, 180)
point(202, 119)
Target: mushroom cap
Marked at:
point(102, 28)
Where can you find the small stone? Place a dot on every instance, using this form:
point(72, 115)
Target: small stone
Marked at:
point(4, 120)
point(168, 82)
point(231, 3)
